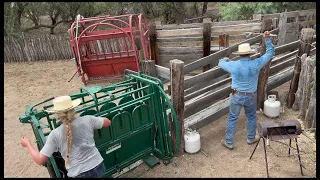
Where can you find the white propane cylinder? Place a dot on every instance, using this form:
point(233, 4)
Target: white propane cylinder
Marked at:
point(192, 141)
point(271, 106)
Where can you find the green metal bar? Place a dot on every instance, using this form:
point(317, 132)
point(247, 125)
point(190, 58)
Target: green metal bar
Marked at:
point(108, 100)
point(161, 120)
point(166, 124)
point(175, 119)
point(158, 120)
point(49, 99)
point(42, 141)
point(82, 95)
point(164, 118)
point(125, 105)
point(113, 141)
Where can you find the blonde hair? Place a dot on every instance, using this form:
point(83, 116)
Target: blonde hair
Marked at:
point(67, 117)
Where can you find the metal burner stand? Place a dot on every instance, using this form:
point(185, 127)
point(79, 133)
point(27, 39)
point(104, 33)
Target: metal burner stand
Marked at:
point(263, 127)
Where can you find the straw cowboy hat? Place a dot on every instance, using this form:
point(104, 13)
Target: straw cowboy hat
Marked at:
point(244, 49)
point(63, 103)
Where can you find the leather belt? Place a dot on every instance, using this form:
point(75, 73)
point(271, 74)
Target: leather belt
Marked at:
point(234, 91)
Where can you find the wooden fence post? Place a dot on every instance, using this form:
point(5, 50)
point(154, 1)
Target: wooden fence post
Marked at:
point(153, 43)
point(264, 72)
point(308, 64)
point(177, 99)
point(298, 94)
point(305, 47)
point(311, 112)
point(148, 67)
point(206, 40)
point(282, 29)
point(223, 41)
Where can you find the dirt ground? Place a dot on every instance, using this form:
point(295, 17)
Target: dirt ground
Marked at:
point(29, 83)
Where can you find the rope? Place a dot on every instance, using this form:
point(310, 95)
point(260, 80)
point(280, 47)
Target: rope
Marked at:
point(77, 30)
point(307, 43)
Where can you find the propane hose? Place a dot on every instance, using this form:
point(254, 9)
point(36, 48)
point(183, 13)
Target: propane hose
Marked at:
point(174, 115)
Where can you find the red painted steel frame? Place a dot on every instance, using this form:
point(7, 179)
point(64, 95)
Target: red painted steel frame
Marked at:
point(98, 53)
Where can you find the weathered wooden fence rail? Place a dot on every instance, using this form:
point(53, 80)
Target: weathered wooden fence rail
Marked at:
point(291, 23)
point(43, 47)
point(206, 94)
point(184, 41)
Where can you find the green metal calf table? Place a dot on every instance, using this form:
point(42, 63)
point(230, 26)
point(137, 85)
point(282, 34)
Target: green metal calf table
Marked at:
point(139, 111)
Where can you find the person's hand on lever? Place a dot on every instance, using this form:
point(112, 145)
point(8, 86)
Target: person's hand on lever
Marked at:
point(266, 34)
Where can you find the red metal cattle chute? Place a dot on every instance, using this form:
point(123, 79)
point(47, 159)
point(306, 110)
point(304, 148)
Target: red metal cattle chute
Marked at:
point(105, 46)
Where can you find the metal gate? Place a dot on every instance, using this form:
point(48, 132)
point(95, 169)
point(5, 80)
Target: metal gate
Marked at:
point(138, 109)
point(105, 46)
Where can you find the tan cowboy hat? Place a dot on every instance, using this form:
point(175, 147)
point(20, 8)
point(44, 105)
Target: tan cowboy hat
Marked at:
point(244, 49)
point(63, 103)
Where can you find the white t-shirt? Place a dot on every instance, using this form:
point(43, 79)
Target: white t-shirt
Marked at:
point(84, 155)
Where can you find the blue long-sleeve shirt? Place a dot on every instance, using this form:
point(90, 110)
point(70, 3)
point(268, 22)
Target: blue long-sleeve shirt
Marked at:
point(245, 72)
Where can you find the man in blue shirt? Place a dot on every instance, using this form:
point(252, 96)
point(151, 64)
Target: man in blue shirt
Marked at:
point(244, 74)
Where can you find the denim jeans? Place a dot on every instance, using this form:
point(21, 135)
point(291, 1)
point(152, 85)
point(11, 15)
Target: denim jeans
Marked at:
point(249, 104)
point(97, 172)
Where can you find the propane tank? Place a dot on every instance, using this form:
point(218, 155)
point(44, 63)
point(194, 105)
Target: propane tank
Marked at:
point(271, 106)
point(192, 141)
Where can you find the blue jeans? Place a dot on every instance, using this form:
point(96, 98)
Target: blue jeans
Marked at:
point(249, 104)
point(96, 172)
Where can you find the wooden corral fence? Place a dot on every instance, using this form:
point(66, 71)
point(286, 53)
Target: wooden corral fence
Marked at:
point(305, 97)
point(189, 42)
point(206, 95)
point(42, 47)
point(291, 23)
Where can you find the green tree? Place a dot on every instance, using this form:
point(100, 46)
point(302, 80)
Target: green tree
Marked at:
point(244, 10)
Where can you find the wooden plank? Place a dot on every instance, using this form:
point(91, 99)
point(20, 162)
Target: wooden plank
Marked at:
point(226, 23)
point(305, 47)
point(298, 94)
point(204, 84)
point(179, 32)
point(309, 12)
point(179, 50)
point(207, 88)
point(177, 99)
point(187, 58)
point(207, 115)
point(310, 118)
point(270, 16)
point(153, 43)
point(282, 65)
point(286, 47)
point(148, 67)
point(179, 26)
point(279, 59)
point(308, 65)
point(198, 25)
point(217, 30)
point(215, 57)
point(200, 103)
point(307, 23)
point(205, 76)
point(313, 51)
point(282, 29)
point(180, 39)
point(163, 72)
point(206, 46)
point(280, 78)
